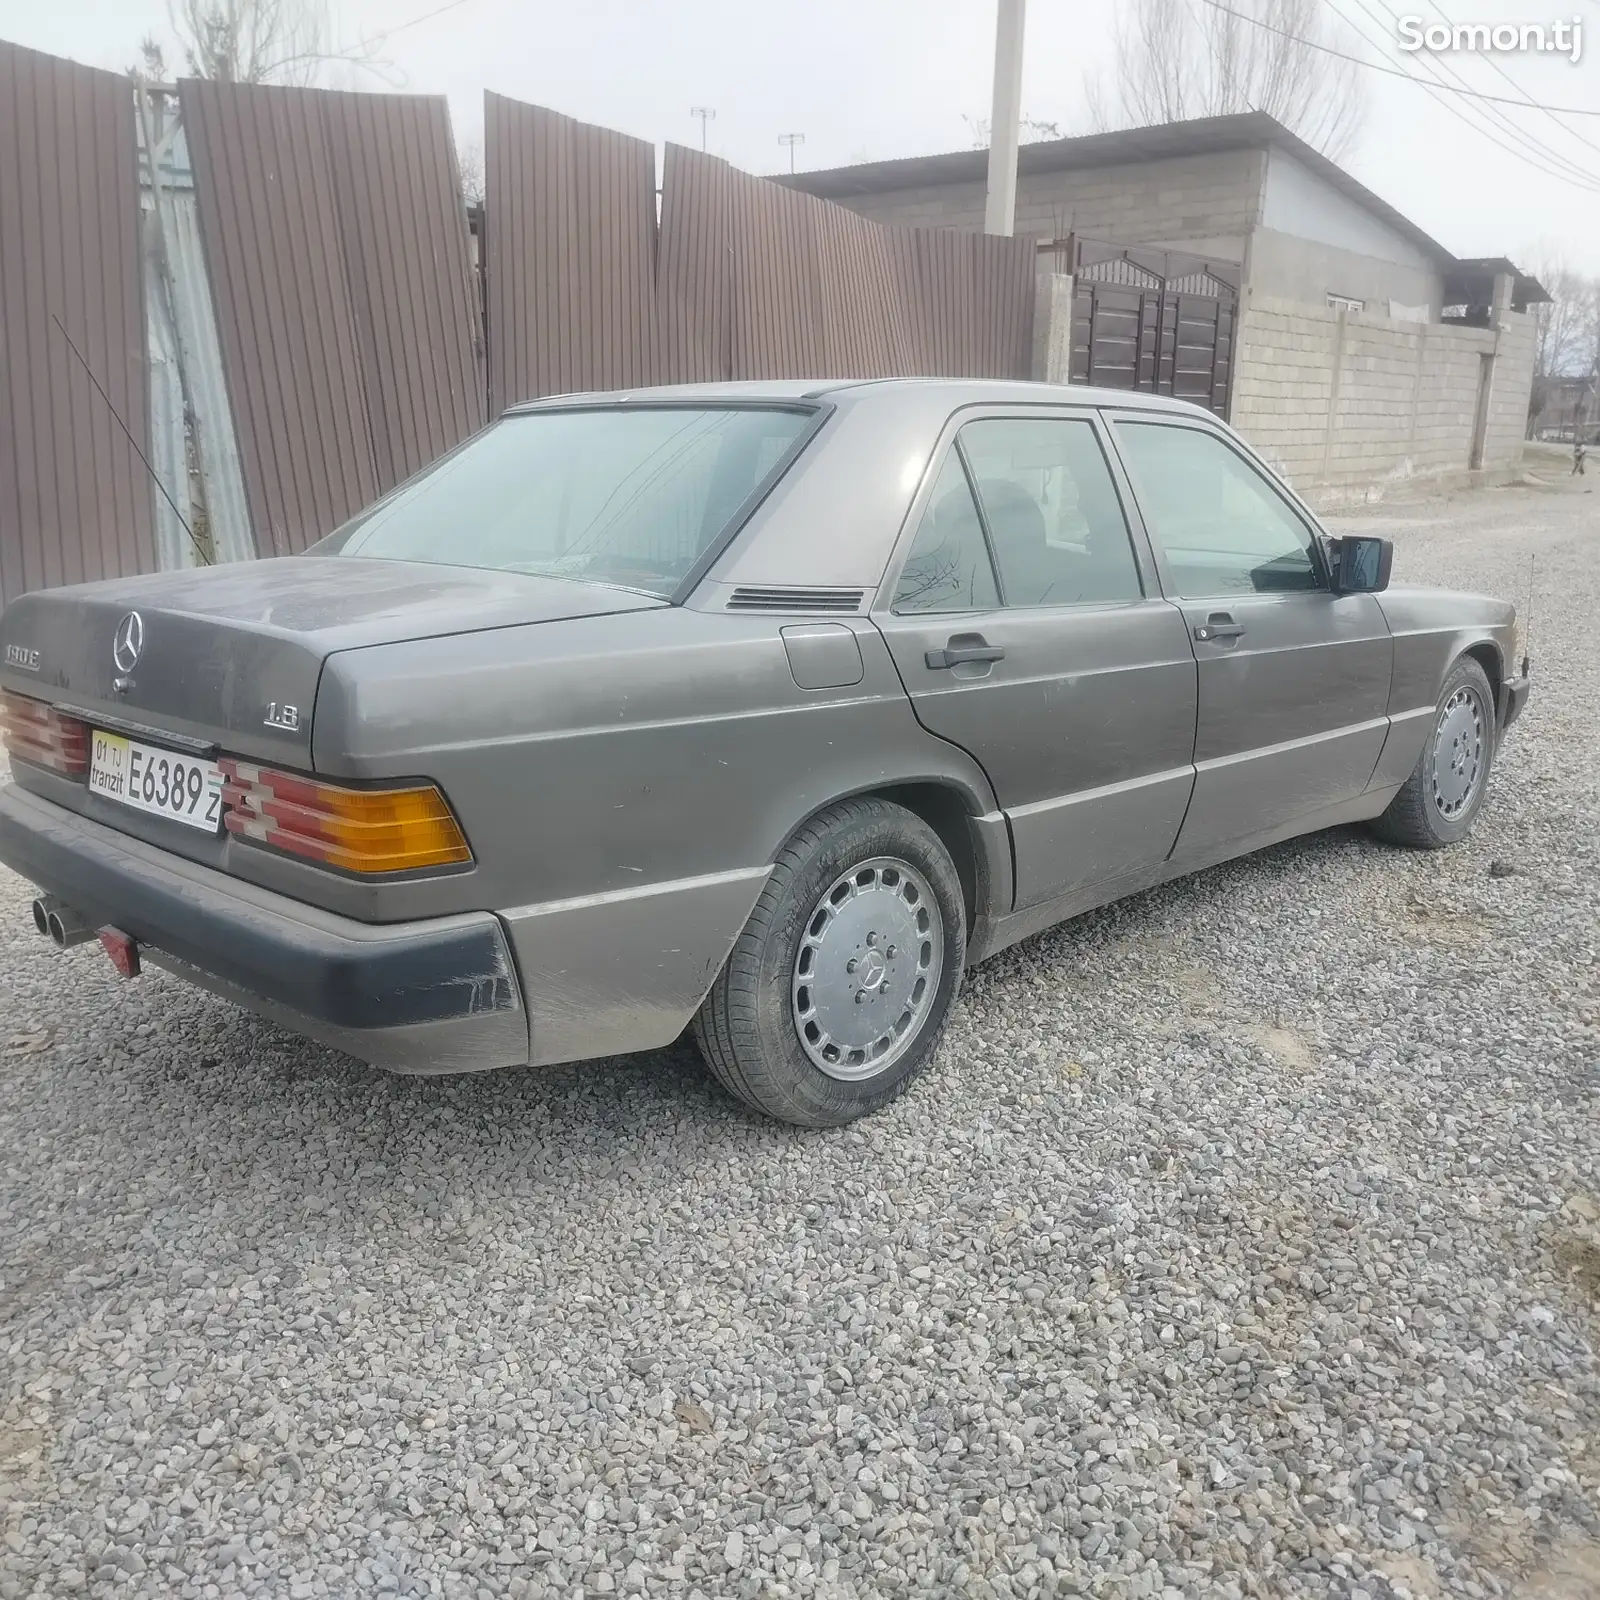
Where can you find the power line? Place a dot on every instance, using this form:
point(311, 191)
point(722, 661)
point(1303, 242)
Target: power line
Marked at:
point(1393, 72)
point(1220, 61)
point(427, 16)
point(1459, 113)
point(1527, 98)
point(1527, 141)
point(1501, 119)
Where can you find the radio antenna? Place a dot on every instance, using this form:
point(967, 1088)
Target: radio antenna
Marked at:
point(1527, 632)
point(199, 549)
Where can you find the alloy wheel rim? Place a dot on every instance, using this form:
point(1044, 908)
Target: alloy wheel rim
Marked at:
point(1458, 753)
point(867, 969)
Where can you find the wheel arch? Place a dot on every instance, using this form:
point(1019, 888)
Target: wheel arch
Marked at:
point(1487, 654)
point(979, 843)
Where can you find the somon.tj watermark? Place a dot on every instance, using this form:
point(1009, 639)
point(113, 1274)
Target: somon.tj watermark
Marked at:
point(1489, 38)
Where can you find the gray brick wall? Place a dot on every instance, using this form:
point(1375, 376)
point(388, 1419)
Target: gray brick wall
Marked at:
point(1513, 384)
point(1345, 405)
point(1206, 203)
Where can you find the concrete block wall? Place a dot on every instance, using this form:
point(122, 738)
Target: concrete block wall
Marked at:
point(1207, 203)
point(1347, 405)
point(1513, 386)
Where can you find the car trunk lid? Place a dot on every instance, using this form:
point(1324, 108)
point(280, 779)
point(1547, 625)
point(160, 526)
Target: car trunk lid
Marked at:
point(230, 656)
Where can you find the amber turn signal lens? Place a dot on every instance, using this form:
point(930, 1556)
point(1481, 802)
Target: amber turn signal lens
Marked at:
point(39, 733)
point(356, 830)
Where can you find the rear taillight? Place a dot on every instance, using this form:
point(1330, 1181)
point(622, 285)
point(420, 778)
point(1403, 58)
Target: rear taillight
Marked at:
point(39, 733)
point(357, 830)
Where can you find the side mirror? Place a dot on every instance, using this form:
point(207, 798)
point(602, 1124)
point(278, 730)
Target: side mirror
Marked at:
point(1361, 564)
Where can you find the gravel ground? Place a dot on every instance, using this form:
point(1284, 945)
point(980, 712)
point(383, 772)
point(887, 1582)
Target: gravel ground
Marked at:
point(1244, 1242)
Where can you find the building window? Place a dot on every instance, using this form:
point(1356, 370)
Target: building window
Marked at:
point(1343, 302)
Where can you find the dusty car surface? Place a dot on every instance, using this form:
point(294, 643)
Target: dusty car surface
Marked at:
point(769, 708)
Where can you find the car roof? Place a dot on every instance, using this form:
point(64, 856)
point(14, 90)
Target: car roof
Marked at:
point(961, 391)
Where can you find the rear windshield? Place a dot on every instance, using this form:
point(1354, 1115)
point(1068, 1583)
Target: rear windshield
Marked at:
point(622, 495)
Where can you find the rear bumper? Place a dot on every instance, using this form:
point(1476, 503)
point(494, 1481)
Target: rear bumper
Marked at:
point(1513, 697)
point(434, 996)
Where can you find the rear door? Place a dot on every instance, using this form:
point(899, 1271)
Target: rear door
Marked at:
point(1027, 629)
point(1294, 680)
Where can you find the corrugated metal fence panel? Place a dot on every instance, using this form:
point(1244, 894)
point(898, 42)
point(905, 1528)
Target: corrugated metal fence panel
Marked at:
point(747, 279)
point(570, 264)
point(815, 291)
point(819, 290)
point(74, 495)
point(1007, 272)
point(866, 309)
point(777, 294)
point(693, 278)
point(267, 212)
point(403, 228)
point(975, 303)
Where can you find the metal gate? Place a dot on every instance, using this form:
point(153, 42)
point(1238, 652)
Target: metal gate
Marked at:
point(1153, 320)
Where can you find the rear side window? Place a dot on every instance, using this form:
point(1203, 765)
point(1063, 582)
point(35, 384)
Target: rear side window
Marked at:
point(948, 568)
point(1051, 506)
point(626, 495)
point(1223, 528)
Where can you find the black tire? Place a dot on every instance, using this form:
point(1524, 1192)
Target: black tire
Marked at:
point(748, 1030)
point(1417, 816)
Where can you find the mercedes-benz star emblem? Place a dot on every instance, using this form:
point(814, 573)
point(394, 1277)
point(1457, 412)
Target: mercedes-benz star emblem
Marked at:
point(129, 641)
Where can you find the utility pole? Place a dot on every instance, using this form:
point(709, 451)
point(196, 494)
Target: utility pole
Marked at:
point(791, 139)
point(705, 114)
point(1000, 206)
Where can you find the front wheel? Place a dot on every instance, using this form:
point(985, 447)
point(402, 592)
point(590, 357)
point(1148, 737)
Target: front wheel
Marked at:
point(1439, 803)
point(835, 994)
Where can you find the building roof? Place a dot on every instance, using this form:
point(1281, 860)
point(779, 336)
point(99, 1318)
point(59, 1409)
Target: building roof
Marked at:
point(1470, 281)
point(1248, 130)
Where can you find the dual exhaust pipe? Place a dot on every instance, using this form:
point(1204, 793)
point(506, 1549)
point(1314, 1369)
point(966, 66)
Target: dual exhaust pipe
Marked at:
point(66, 926)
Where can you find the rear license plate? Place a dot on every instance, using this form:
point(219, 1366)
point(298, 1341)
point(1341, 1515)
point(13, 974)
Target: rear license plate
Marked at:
point(158, 781)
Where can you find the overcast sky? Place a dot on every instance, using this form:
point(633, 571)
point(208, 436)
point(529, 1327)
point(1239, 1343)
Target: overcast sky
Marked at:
point(871, 79)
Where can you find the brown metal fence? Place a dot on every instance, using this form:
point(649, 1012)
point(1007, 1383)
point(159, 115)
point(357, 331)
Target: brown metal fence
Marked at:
point(694, 328)
point(975, 302)
point(819, 291)
point(408, 267)
point(353, 340)
point(570, 213)
point(742, 279)
point(74, 493)
point(265, 192)
point(337, 248)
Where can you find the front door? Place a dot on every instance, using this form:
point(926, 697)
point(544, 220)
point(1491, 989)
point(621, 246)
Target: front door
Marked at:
point(1294, 679)
point(1022, 630)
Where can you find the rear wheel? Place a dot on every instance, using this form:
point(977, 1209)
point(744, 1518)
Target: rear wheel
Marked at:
point(1440, 801)
point(835, 994)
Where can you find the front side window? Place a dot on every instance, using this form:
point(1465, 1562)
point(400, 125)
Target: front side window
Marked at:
point(626, 495)
point(1051, 505)
point(1223, 528)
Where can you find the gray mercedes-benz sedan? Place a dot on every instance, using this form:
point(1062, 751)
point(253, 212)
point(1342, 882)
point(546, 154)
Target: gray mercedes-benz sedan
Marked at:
point(768, 708)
